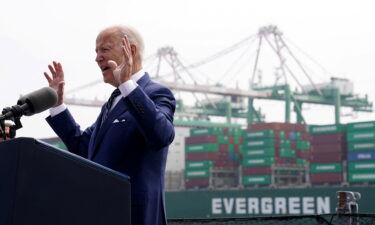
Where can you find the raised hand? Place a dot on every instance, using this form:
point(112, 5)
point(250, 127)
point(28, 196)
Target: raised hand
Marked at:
point(57, 81)
point(123, 72)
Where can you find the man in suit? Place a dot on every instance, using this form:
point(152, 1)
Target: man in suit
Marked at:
point(132, 133)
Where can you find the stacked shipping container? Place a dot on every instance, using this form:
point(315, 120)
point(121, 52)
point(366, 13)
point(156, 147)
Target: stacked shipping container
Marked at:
point(328, 153)
point(267, 150)
point(208, 149)
point(361, 152)
point(267, 144)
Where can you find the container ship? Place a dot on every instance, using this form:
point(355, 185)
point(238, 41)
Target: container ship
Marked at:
point(268, 169)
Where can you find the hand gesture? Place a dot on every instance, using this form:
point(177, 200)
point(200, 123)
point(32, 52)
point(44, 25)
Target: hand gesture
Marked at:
point(123, 72)
point(57, 81)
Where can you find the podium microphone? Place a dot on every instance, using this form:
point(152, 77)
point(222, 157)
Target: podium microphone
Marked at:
point(30, 104)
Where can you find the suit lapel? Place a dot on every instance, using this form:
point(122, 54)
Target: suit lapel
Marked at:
point(94, 134)
point(119, 109)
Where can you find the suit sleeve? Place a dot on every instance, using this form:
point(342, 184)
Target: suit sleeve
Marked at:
point(153, 114)
point(70, 133)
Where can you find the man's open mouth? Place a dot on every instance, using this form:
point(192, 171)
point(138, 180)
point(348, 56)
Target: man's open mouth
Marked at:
point(105, 68)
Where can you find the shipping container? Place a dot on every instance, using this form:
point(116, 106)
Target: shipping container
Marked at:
point(201, 139)
point(326, 129)
point(287, 152)
point(198, 164)
point(361, 156)
point(302, 145)
point(267, 161)
point(319, 178)
point(326, 168)
point(259, 134)
point(327, 138)
point(301, 162)
point(209, 147)
point(361, 166)
point(361, 146)
point(256, 170)
point(256, 180)
point(360, 126)
point(361, 177)
point(257, 153)
point(265, 143)
point(197, 173)
point(327, 157)
point(197, 182)
point(324, 148)
point(303, 154)
point(278, 127)
point(361, 136)
point(206, 131)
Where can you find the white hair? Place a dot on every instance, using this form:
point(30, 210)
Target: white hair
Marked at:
point(133, 35)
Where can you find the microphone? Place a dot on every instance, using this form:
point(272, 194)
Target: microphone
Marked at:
point(32, 103)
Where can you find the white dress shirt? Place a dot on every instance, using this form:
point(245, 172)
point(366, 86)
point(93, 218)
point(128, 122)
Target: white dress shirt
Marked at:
point(125, 88)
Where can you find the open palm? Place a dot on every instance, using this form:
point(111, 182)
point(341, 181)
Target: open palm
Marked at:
point(56, 81)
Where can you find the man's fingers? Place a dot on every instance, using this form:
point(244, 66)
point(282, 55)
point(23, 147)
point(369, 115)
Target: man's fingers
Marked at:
point(47, 77)
point(126, 49)
point(59, 66)
point(112, 64)
point(53, 72)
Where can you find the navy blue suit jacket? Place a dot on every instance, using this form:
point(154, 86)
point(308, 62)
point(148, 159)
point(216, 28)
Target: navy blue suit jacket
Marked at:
point(133, 140)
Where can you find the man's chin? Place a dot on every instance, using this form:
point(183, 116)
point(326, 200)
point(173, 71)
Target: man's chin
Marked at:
point(107, 77)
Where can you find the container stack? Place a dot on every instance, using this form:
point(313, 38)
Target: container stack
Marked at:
point(265, 145)
point(361, 152)
point(328, 154)
point(208, 150)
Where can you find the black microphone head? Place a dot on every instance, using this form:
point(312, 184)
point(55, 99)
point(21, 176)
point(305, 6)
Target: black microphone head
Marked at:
point(39, 100)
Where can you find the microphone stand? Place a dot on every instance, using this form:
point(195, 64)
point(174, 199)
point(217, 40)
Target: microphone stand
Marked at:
point(16, 118)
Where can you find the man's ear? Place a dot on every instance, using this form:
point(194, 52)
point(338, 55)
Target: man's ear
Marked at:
point(133, 49)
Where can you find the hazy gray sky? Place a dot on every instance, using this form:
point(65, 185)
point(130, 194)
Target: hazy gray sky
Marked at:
point(339, 34)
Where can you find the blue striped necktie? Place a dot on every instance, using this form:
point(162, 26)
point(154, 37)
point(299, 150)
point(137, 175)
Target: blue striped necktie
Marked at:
point(109, 103)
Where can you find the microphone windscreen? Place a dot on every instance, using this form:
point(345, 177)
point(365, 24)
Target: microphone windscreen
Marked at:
point(39, 100)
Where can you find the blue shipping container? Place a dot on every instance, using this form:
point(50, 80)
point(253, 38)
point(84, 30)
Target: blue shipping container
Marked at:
point(361, 156)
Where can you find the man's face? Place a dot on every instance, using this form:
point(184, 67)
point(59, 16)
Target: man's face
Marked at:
point(108, 47)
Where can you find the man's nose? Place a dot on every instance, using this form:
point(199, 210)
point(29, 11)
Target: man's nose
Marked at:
point(99, 57)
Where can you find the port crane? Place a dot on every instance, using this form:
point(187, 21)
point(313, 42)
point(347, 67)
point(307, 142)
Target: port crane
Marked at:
point(234, 102)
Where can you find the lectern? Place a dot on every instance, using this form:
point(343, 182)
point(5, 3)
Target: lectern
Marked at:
point(43, 185)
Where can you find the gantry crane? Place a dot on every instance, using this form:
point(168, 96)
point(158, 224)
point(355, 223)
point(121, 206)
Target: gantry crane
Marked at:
point(338, 92)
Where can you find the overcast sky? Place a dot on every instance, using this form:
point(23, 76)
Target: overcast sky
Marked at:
point(339, 34)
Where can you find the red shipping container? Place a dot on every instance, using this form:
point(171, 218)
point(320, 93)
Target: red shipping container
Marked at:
point(326, 178)
point(305, 136)
point(223, 147)
point(201, 139)
point(197, 182)
point(240, 140)
point(256, 170)
point(303, 154)
point(230, 140)
point(278, 126)
point(293, 144)
point(327, 157)
point(327, 138)
point(324, 148)
point(300, 127)
point(236, 148)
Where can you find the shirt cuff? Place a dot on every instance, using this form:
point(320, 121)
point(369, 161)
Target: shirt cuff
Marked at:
point(127, 87)
point(57, 110)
